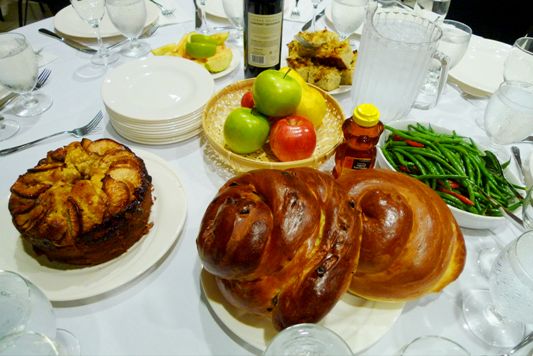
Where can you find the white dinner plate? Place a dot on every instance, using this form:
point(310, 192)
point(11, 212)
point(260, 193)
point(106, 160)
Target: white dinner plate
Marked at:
point(358, 321)
point(168, 216)
point(159, 141)
point(157, 88)
point(480, 72)
point(215, 8)
point(235, 61)
point(69, 23)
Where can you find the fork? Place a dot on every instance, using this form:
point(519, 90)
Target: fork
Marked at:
point(41, 80)
point(295, 11)
point(78, 132)
point(164, 10)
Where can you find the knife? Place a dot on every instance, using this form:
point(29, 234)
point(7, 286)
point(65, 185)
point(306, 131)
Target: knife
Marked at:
point(197, 16)
point(317, 17)
point(76, 45)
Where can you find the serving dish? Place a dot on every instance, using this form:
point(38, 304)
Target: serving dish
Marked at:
point(464, 219)
point(329, 134)
point(62, 283)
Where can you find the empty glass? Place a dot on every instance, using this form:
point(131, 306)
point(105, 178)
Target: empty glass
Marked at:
point(435, 10)
point(307, 339)
point(129, 17)
point(348, 16)
point(234, 10)
point(315, 12)
point(92, 12)
point(433, 345)
point(454, 42)
point(29, 343)
point(204, 26)
point(18, 73)
point(519, 62)
point(509, 113)
point(497, 316)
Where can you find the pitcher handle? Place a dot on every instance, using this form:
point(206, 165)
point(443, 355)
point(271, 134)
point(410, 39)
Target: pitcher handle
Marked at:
point(443, 77)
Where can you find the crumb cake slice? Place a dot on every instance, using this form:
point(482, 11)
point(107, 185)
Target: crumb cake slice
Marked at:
point(83, 204)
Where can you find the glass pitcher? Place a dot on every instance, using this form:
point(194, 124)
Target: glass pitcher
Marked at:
point(396, 49)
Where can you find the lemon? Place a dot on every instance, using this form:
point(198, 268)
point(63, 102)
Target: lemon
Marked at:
point(294, 75)
point(164, 50)
point(312, 106)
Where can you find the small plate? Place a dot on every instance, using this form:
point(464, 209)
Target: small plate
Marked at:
point(358, 321)
point(235, 61)
point(68, 22)
point(157, 88)
point(168, 215)
point(480, 72)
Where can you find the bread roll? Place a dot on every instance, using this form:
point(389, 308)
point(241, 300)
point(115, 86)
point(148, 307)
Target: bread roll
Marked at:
point(281, 243)
point(411, 242)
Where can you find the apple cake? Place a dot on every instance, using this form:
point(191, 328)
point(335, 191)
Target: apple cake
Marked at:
point(83, 204)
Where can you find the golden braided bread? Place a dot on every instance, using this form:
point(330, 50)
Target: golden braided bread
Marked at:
point(411, 243)
point(281, 243)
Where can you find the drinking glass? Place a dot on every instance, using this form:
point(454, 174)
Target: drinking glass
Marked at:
point(497, 316)
point(434, 10)
point(18, 73)
point(348, 15)
point(519, 62)
point(509, 114)
point(129, 17)
point(204, 27)
point(234, 10)
point(433, 345)
point(29, 343)
point(454, 42)
point(92, 12)
point(307, 339)
point(315, 12)
point(23, 306)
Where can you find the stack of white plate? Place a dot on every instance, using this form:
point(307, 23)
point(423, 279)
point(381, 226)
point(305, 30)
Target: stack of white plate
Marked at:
point(157, 100)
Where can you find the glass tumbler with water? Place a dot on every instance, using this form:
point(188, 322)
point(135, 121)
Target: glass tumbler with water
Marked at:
point(129, 17)
point(394, 55)
point(307, 339)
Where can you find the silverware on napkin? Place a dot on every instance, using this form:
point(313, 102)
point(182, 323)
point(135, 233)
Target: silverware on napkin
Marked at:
point(317, 17)
point(74, 44)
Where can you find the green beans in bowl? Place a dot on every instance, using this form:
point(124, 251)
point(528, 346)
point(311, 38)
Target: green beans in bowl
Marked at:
point(467, 177)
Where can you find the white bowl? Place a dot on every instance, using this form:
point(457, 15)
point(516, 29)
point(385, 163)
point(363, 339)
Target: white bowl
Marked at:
point(464, 219)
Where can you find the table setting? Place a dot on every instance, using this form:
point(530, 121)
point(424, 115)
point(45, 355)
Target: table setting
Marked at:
point(125, 107)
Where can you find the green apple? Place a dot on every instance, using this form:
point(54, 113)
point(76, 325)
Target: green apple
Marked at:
point(197, 37)
point(245, 130)
point(276, 94)
point(200, 49)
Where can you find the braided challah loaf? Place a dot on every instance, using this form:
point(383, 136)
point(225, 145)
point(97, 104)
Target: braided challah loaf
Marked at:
point(281, 243)
point(411, 243)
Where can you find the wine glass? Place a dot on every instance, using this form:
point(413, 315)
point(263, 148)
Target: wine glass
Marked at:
point(307, 339)
point(348, 15)
point(234, 10)
point(92, 12)
point(509, 114)
point(454, 42)
point(434, 10)
point(129, 17)
point(204, 28)
point(18, 73)
point(29, 343)
point(433, 345)
point(315, 12)
point(519, 62)
point(497, 316)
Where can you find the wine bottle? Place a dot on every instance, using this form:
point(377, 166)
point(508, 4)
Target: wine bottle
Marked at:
point(263, 27)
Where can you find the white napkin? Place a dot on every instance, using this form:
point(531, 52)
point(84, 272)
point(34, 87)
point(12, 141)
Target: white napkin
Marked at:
point(306, 10)
point(178, 16)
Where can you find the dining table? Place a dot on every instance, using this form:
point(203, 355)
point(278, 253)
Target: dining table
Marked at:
point(163, 310)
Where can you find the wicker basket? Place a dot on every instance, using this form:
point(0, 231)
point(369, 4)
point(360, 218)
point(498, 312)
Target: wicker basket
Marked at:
point(329, 134)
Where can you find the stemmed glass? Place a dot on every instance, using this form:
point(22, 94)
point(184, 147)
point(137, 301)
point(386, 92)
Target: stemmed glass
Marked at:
point(519, 62)
point(18, 73)
point(234, 10)
point(92, 12)
point(497, 316)
point(315, 12)
point(454, 42)
point(129, 17)
point(434, 10)
point(348, 15)
point(204, 28)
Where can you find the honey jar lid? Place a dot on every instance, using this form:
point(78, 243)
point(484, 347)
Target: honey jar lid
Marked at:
point(366, 115)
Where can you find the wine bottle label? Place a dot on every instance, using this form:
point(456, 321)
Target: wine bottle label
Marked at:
point(264, 37)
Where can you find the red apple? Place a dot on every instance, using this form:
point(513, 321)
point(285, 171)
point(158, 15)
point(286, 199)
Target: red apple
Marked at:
point(292, 138)
point(247, 100)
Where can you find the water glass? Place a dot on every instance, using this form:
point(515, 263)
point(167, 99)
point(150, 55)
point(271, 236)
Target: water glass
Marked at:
point(348, 16)
point(129, 17)
point(519, 62)
point(509, 113)
point(234, 10)
point(454, 42)
point(434, 10)
point(18, 73)
point(433, 345)
point(307, 339)
point(29, 343)
point(92, 12)
point(498, 316)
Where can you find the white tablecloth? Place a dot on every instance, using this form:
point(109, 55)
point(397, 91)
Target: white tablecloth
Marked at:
point(162, 312)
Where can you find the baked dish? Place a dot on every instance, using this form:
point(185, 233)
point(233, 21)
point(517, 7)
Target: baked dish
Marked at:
point(324, 60)
point(83, 204)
